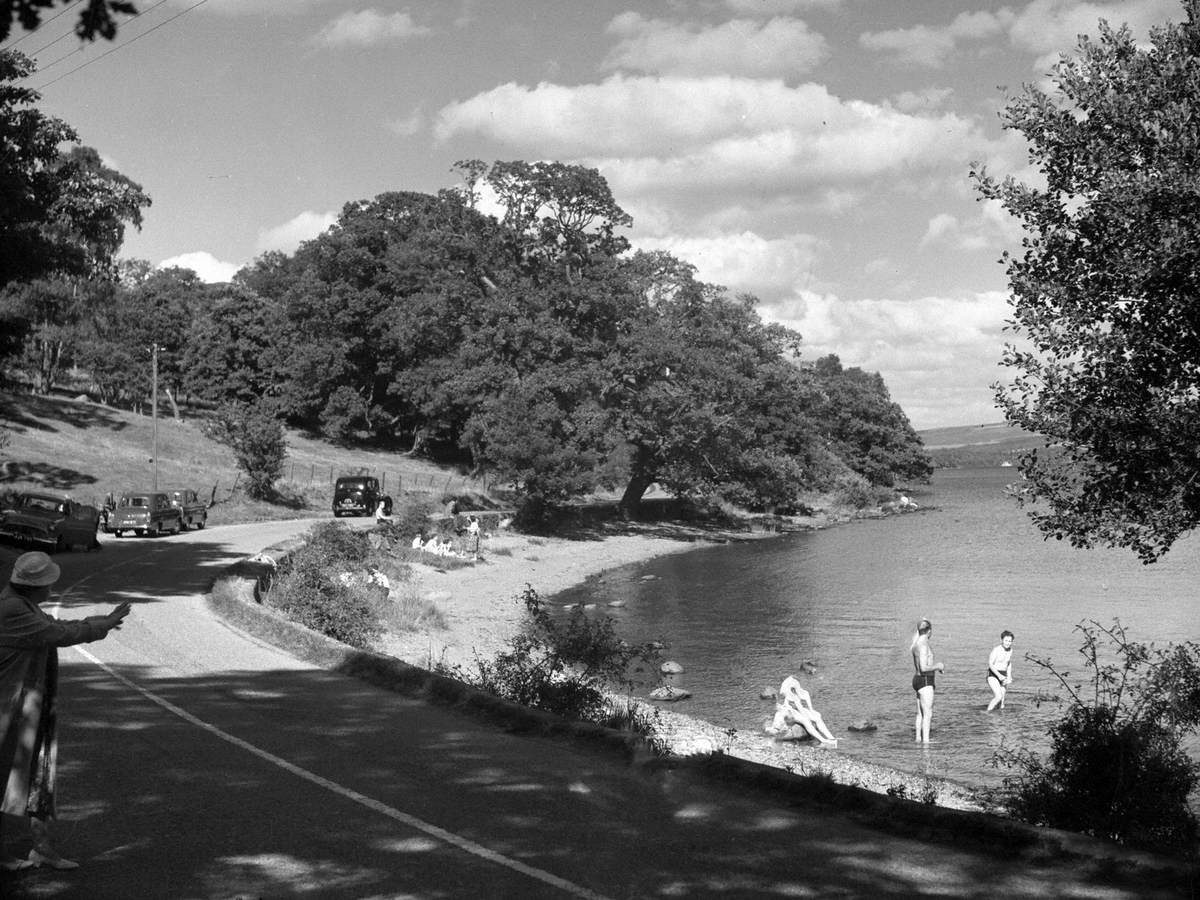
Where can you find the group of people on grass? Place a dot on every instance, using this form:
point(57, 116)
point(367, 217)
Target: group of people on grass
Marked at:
point(794, 705)
point(467, 541)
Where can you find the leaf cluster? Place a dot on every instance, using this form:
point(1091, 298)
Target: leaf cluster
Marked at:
point(1107, 362)
point(1117, 768)
point(563, 667)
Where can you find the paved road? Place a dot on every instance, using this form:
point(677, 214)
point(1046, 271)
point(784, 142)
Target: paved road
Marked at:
point(197, 762)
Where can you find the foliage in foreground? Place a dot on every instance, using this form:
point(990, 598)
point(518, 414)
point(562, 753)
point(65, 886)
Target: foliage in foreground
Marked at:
point(562, 667)
point(1104, 294)
point(1116, 768)
point(311, 588)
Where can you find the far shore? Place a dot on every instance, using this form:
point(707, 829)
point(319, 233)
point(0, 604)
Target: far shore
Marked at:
point(482, 609)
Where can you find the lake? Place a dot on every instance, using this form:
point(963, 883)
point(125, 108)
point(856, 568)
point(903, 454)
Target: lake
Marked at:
point(741, 616)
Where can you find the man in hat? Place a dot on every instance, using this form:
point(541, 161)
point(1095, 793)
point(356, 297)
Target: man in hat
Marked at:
point(29, 639)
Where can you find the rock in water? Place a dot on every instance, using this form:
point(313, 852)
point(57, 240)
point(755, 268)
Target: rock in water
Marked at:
point(863, 725)
point(670, 667)
point(669, 694)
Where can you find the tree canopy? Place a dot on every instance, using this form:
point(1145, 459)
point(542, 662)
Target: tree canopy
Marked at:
point(1105, 293)
point(532, 347)
point(61, 212)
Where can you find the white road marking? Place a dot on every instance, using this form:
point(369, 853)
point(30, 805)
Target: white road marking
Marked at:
point(434, 831)
point(404, 818)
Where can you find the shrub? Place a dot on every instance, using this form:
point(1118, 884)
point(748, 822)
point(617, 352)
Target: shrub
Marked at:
point(1117, 768)
point(309, 588)
point(561, 667)
point(255, 435)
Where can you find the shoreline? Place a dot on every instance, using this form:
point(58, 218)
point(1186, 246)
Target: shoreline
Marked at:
point(482, 610)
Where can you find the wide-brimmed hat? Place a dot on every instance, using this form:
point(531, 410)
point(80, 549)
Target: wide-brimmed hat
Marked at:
point(36, 569)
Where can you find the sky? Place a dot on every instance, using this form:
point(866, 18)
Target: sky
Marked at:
point(813, 153)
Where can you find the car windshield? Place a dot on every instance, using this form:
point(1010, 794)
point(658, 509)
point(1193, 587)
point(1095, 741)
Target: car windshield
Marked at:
point(140, 502)
point(353, 485)
point(35, 502)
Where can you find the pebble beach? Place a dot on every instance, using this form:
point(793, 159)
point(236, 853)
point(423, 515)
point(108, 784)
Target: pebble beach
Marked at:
point(482, 610)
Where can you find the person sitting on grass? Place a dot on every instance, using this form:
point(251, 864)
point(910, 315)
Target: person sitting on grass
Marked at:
point(793, 706)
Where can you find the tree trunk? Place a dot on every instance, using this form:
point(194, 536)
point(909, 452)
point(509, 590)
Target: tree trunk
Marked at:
point(174, 405)
point(640, 479)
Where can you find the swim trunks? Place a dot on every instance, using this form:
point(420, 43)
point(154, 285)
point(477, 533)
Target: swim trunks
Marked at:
point(922, 679)
point(992, 673)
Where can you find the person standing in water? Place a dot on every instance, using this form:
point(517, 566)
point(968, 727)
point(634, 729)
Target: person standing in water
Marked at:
point(999, 673)
point(923, 680)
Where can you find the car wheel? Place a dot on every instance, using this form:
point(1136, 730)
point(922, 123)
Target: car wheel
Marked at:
point(139, 531)
point(119, 533)
point(200, 524)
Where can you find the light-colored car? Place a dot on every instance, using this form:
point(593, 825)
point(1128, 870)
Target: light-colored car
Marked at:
point(146, 512)
point(52, 520)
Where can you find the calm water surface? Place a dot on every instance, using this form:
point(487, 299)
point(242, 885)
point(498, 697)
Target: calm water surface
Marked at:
point(739, 617)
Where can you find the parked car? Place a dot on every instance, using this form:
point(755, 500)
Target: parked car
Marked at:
point(192, 510)
point(145, 513)
point(356, 495)
point(50, 519)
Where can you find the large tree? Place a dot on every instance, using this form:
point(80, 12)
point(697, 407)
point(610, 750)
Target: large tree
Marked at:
point(1105, 294)
point(61, 212)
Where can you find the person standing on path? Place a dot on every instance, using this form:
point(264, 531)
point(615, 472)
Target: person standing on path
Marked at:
point(999, 674)
point(923, 680)
point(29, 642)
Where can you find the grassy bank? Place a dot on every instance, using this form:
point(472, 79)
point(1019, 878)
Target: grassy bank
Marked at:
point(89, 450)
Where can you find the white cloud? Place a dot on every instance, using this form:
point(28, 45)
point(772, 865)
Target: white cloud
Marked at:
point(288, 236)
point(1051, 27)
point(993, 226)
point(925, 100)
point(928, 46)
point(778, 47)
point(367, 28)
point(210, 269)
point(745, 262)
point(1046, 28)
point(720, 129)
point(938, 355)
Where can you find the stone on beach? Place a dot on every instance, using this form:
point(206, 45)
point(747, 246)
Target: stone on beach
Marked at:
point(669, 694)
point(862, 725)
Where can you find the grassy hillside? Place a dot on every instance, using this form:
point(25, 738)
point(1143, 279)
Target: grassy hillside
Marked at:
point(88, 450)
point(991, 444)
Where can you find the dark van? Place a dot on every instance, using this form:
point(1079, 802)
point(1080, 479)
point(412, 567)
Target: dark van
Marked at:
point(356, 495)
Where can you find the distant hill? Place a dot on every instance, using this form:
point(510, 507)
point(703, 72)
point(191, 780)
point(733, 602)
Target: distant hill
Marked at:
point(991, 444)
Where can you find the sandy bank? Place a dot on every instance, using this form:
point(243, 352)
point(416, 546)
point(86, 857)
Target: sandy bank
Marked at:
point(482, 610)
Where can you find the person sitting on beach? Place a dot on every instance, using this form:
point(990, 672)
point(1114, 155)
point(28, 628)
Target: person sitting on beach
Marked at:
point(999, 673)
point(418, 541)
point(793, 706)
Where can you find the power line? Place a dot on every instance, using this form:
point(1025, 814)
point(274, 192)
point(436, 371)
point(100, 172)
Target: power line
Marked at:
point(80, 48)
point(124, 45)
point(47, 22)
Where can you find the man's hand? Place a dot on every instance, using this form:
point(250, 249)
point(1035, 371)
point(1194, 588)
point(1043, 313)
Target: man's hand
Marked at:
point(113, 620)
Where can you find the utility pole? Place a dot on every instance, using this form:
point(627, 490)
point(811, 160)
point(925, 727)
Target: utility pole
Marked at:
point(154, 406)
